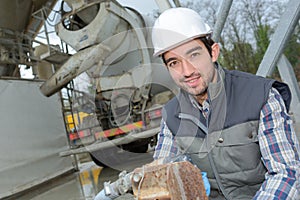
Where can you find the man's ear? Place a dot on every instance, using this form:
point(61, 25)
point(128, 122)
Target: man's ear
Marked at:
point(215, 51)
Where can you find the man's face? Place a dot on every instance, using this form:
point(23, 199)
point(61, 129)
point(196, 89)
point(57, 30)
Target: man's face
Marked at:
point(191, 66)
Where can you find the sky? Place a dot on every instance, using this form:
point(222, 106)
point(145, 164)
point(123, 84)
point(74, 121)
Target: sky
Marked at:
point(143, 6)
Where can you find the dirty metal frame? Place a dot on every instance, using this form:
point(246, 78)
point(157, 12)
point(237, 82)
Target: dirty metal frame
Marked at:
point(19, 50)
point(274, 56)
point(39, 18)
point(25, 55)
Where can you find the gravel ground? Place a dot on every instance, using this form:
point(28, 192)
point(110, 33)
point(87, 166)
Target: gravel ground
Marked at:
point(126, 197)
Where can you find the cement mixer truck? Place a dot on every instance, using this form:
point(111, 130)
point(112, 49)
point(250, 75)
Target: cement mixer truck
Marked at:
point(118, 89)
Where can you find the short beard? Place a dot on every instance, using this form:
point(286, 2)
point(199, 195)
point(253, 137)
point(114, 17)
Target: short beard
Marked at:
point(201, 93)
point(191, 92)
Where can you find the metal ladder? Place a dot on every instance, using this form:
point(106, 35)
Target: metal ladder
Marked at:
point(67, 96)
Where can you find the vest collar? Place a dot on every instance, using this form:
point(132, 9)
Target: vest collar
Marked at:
point(214, 89)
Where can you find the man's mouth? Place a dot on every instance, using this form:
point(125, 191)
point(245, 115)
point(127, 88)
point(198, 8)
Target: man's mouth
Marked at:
point(193, 82)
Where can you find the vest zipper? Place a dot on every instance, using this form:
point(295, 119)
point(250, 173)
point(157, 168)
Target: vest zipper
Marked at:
point(210, 158)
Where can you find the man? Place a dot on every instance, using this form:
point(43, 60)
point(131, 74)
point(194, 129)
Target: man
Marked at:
point(233, 125)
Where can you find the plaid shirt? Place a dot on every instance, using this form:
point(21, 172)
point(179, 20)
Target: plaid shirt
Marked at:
point(280, 151)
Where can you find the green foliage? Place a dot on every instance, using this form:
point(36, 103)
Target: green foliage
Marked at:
point(241, 57)
point(262, 35)
point(292, 52)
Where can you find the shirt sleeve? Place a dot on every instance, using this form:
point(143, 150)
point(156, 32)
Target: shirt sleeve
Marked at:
point(166, 146)
point(280, 151)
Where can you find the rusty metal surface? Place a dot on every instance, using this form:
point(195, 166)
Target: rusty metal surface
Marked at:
point(174, 181)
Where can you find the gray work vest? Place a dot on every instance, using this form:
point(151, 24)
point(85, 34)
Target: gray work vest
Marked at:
point(226, 143)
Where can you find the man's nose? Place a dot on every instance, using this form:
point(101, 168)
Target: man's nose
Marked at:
point(187, 68)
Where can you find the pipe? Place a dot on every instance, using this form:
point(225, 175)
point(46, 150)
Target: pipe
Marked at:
point(78, 63)
point(221, 19)
point(163, 5)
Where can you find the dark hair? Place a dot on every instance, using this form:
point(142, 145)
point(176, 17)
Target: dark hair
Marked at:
point(207, 41)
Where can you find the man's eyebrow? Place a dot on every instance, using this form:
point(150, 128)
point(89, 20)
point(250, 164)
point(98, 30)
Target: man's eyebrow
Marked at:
point(193, 49)
point(186, 53)
point(170, 59)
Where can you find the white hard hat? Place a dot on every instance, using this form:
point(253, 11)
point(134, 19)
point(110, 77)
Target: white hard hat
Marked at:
point(176, 26)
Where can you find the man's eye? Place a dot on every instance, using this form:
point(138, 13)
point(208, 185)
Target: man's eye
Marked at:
point(173, 63)
point(195, 54)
